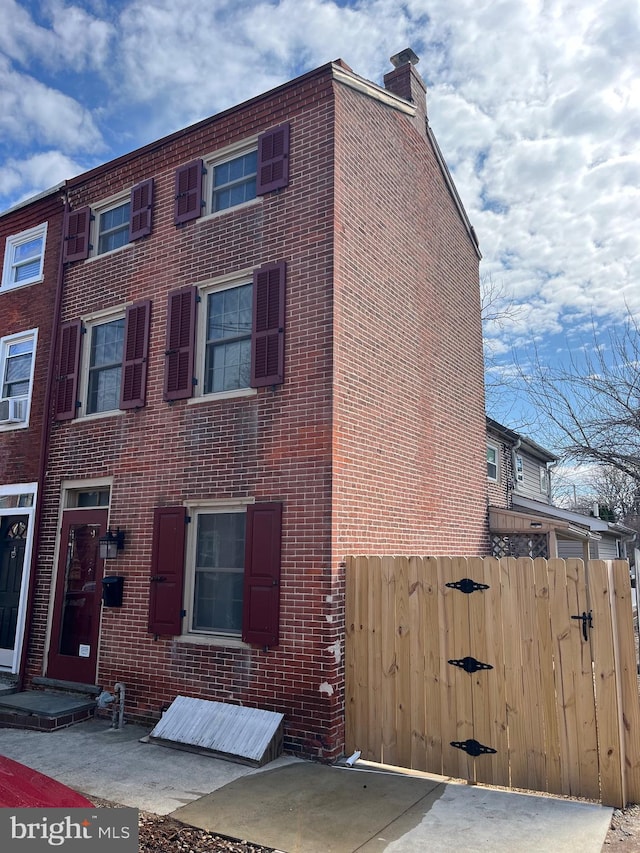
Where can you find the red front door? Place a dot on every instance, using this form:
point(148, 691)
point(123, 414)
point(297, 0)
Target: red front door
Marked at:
point(73, 653)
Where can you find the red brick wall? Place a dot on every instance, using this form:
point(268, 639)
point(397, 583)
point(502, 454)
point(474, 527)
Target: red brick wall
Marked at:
point(275, 446)
point(21, 309)
point(374, 442)
point(409, 424)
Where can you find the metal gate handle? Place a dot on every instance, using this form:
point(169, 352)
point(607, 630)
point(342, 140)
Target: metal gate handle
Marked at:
point(587, 620)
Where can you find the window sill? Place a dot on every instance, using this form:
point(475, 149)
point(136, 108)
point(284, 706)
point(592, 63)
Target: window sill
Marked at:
point(217, 640)
point(12, 426)
point(7, 288)
point(222, 395)
point(108, 254)
point(218, 213)
point(94, 416)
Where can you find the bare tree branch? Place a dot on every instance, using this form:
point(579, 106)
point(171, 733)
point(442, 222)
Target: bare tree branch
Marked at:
point(593, 402)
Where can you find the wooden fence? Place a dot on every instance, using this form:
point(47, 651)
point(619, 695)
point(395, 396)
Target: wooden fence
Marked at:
point(515, 672)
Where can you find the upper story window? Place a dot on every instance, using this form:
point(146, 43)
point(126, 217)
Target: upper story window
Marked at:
point(24, 257)
point(112, 226)
point(232, 176)
point(104, 368)
point(519, 472)
point(227, 350)
point(104, 227)
point(16, 372)
point(492, 462)
point(544, 480)
point(227, 336)
point(102, 363)
point(234, 181)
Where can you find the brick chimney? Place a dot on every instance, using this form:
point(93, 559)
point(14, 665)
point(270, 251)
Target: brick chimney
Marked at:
point(405, 82)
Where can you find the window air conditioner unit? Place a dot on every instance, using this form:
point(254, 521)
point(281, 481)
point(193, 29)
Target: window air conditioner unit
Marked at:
point(13, 410)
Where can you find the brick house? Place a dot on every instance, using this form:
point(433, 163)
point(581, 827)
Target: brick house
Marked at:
point(269, 357)
point(30, 240)
point(523, 520)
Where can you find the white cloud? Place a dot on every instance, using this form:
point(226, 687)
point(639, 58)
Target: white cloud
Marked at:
point(535, 103)
point(555, 85)
point(24, 178)
point(32, 113)
point(220, 54)
point(68, 37)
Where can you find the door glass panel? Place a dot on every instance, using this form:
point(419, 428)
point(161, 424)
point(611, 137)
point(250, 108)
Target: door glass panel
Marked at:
point(79, 605)
point(13, 535)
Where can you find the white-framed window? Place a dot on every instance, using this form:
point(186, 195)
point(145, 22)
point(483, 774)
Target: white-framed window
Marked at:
point(102, 364)
point(24, 257)
point(225, 336)
point(111, 225)
point(17, 361)
point(232, 175)
point(544, 480)
point(215, 573)
point(493, 458)
point(519, 472)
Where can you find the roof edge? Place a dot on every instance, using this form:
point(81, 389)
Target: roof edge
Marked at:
point(471, 231)
point(156, 144)
point(32, 199)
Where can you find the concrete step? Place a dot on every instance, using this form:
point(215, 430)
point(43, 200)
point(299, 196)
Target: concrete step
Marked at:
point(44, 710)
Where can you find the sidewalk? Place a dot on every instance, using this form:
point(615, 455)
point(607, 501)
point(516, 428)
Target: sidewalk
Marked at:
point(304, 807)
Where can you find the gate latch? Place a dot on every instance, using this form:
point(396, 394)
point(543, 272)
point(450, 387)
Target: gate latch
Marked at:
point(587, 620)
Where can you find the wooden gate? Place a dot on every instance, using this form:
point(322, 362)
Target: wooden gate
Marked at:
point(515, 672)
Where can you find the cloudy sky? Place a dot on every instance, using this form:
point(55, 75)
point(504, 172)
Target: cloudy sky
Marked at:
point(535, 103)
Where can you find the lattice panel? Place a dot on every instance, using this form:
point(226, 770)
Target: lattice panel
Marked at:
point(520, 545)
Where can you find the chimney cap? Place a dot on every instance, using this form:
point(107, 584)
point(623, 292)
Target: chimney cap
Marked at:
point(406, 55)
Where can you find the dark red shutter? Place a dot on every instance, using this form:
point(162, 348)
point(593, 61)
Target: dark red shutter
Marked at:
point(135, 357)
point(77, 225)
point(273, 159)
point(178, 368)
point(167, 570)
point(267, 339)
point(140, 210)
point(188, 204)
point(261, 602)
point(66, 391)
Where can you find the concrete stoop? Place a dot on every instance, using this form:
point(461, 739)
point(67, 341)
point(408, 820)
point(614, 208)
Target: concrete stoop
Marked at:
point(56, 706)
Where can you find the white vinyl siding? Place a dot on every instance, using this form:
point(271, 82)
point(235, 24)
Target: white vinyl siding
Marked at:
point(529, 485)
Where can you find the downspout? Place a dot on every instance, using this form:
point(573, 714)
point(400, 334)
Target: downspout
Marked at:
point(44, 447)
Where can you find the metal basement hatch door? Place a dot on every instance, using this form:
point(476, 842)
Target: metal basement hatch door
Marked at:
point(247, 735)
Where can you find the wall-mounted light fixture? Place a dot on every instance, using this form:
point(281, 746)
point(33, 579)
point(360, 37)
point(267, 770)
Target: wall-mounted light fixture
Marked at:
point(111, 543)
point(537, 524)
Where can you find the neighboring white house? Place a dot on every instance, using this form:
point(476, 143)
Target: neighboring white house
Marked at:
point(523, 522)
